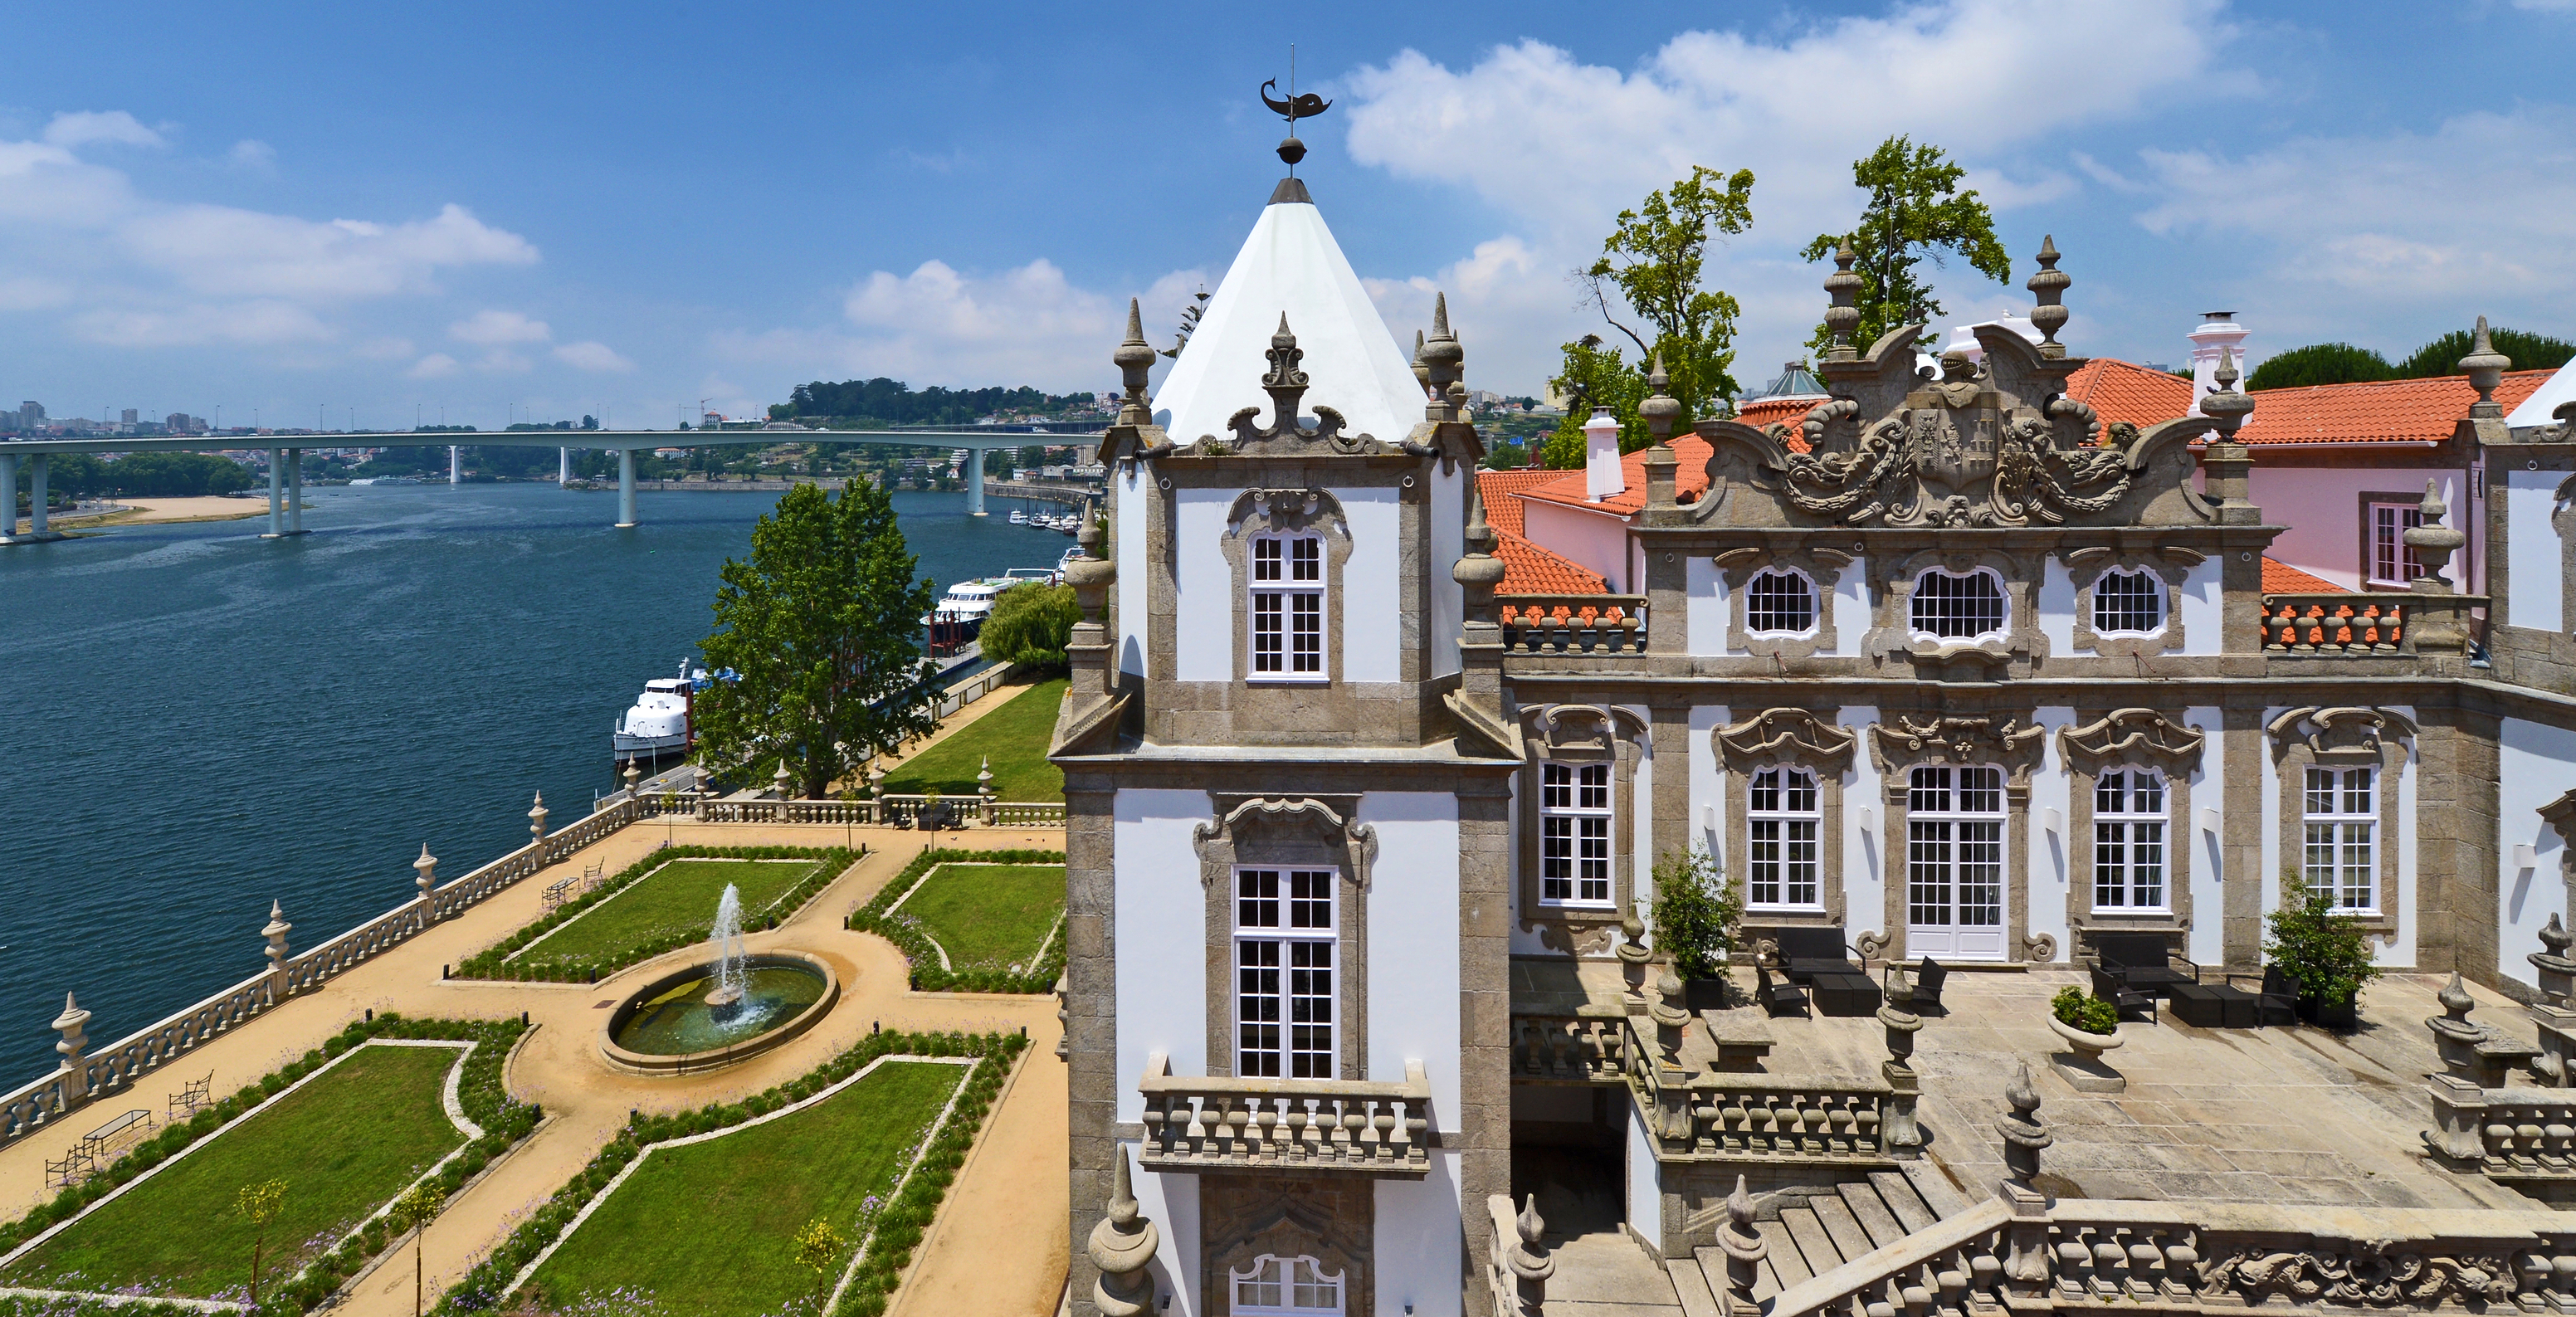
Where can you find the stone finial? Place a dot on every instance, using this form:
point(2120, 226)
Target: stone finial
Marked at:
point(778, 780)
point(2048, 286)
point(1134, 359)
point(1528, 1261)
point(425, 871)
point(984, 779)
point(1444, 365)
point(2025, 1134)
point(2485, 368)
point(1896, 1014)
point(1660, 408)
point(536, 819)
point(2557, 971)
point(633, 775)
point(1844, 315)
point(69, 1024)
point(1669, 1015)
point(2224, 404)
point(2433, 543)
point(1745, 1249)
point(1121, 1245)
point(1421, 368)
point(1633, 957)
point(2456, 1004)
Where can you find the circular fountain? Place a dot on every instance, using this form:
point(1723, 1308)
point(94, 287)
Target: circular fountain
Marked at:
point(732, 1007)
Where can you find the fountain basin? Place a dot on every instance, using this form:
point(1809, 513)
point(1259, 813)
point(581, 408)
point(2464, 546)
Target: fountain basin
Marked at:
point(667, 1026)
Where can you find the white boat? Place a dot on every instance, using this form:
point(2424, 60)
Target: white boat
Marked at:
point(658, 725)
point(966, 604)
point(1032, 575)
point(1020, 517)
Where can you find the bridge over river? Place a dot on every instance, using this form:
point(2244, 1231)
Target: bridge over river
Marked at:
point(286, 459)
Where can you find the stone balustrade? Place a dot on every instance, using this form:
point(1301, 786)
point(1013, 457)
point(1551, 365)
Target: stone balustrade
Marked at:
point(2512, 1135)
point(2023, 1253)
point(1732, 1117)
point(1517, 1265)
point(1305, 1125)
point(1573, 624)
point(1589, 1046)
point(2334, 625)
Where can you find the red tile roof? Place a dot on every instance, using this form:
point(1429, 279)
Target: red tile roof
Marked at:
point(1531, 569)
point(2118, 391)
point(2392, 411)
point(1690, 479)
point(1764, 411)
point(2282, 578)
point(1502, 510)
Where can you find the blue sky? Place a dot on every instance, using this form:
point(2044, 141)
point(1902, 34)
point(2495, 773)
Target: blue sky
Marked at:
point(531, 210)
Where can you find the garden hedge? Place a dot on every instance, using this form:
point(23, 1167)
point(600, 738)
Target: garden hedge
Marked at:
point(927, 973)
point(492, 962)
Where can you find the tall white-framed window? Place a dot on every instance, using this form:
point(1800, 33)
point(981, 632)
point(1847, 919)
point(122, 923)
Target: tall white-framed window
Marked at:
point(1954, 821)
point(1288, 607)
point(2390, 563)
point(2341, 821)
point(1284, 945)
point(2127, 603)
point(1285, 1287)
point(1574, 819)
point(1779, 603)
point(2129, 840)
point(1781, 822)
point(1958, 605)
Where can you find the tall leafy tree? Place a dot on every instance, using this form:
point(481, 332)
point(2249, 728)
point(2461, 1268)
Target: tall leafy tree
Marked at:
point(1595, 375)
point(820, 624)
point(2322, 363)
point(1915, 210)
point(2529, 351)
point(1031, 624)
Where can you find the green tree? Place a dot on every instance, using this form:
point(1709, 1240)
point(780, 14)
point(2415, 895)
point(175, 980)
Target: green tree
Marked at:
point(259, 1204)
point(1696, 911)
point(1031, 624)
point(2529, 351)
point(821, 626)
point(417, 1207)
point(818, 1249)
point(2313, 941)
point(2322, 363)
point(1594, 376)
point(1655, 260)
point(1915, 210)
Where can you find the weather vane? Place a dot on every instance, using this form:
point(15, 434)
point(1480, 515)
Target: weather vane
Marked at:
point(1294, 108)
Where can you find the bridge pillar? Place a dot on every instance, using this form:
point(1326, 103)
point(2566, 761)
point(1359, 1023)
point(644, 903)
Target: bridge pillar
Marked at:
point(625, 487)
point(294, 491)
point(276, 493)
point(8, 498)
point(975, 482)
point(455, 465)
point(36, 522)
point(563, 467)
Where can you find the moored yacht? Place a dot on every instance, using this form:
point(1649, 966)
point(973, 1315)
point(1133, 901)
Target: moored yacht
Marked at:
point(658, 725)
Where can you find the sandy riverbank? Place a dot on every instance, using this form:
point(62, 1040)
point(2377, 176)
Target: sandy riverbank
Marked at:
point(139, 511)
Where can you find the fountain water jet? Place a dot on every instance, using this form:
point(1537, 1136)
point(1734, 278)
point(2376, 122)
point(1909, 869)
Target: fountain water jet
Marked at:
point(727, 940)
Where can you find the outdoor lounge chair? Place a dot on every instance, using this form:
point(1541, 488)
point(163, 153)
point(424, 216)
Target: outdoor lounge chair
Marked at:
point(2137, 962)
point(2276, 1001)
point(1777, 998)
point(1807, 950)
point(1927, 982)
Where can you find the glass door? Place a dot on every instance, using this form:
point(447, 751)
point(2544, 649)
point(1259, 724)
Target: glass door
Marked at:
point(1954, 863)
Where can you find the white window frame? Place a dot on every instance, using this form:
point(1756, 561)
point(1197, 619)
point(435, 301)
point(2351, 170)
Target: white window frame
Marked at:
point(2339, 835)
point(2132, 860)
point(2395, 519)
point(1316, 1279)
point(1806, 583)
point(1278, 945)
point(1781, 865)
point(1571, 826)
point(2155, 588)
point(1914, 603)
point(1937, 836)
point(1289, 596)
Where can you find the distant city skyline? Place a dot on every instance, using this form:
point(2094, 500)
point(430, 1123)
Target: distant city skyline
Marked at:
point(644, 220)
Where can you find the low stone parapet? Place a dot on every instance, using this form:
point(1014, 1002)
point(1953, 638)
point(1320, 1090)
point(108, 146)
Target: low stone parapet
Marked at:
point(1205, 1123)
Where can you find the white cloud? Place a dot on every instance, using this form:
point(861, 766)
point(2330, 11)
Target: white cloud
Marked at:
point(263, 322)
point(252, 153)
point(384, 349)
point(593, 356)
point(222, 250)
point(437, 365)
point(502, 361)
point(82, 127)
point(487, 327)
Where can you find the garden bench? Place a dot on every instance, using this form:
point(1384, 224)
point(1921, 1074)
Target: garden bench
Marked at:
point(192, 1097)
point(2127, 963)
point(1807, 950)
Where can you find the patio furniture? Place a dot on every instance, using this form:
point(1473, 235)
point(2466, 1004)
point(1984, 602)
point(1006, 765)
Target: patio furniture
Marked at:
point(1777, 998)
point(1807, 950)
point(2214, 1006)
point(1928, 978)
point(1840, 994)
point(2138, 962)
point(2125, 999)
point(193, 1096)
point(2276, 1000)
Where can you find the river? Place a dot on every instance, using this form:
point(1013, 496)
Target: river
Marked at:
point(198, 721)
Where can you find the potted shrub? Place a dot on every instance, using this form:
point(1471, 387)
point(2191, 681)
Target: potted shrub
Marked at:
point(1695, 918)
point(2327, 952)
point(2089, 1026)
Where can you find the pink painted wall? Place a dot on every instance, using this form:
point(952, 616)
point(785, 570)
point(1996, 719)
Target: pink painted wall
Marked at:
point(1596, 540)
point(2322, 506)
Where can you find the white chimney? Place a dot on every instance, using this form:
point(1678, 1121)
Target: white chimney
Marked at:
point(1602, 474)
point(2218, 330)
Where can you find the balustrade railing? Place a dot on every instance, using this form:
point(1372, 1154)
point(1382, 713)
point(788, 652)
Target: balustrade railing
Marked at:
point(2334, 625)
point(2507, 1133)
point(1203, 1124)
point(1734, 1116)
point(1576, 1047)
point(1573, 624)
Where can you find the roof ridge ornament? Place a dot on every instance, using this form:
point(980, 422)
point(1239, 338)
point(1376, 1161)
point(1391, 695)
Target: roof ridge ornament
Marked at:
point(1844, 316)
point(2485, 368)
point(1286, 385)
point(1294, 108)
point(1134, 358)
point(2048, 286)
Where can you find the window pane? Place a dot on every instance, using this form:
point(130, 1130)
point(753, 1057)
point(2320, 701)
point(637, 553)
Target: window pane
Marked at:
point(1802, 862)
point(1556, 789)
point(1928, 856)
point(1310, 899)
point(1956, 607)
point(1268, 651)
point(1779, 602)
point(1256, 902)
point(1981, 791)
point(1596, 786)
point(1306, 629)
point(1764, 845)
point(2110, 864)
point(1265, 560)
point(2127, 602)
point(1930, 791)
point(1802, 792)
point(2147, 865)
point(1307, 560)
point(1310, 1010)
point(1981, 875)
point(1556, 858)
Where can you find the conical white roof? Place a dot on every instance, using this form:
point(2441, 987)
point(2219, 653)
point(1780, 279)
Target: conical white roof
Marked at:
point(2541, 407)
point(1291, 265)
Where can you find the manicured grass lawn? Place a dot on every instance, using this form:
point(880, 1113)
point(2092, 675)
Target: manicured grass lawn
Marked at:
point(707, 1229)
point(1015, 735)
point(679, 897)
point(343, 1143)
point(988, 916)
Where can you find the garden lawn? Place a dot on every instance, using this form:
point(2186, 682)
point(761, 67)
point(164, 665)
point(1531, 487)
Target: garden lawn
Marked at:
point(344, 1144)
point(708, 1229)
point(680, 897)
point(1015, 736)
point(988, 916)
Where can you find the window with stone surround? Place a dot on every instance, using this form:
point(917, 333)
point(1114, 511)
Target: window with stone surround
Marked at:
point(1958, 605)
point(2127, 603)
point(1782, 820)
point(2390, 563)
point(2341, 825)
point(1285, 1287)
point(1575, 817)
point(1287, 589)
point(2129, 822)
point(1284, 965)
point(1779, 603)
point(1954, 822)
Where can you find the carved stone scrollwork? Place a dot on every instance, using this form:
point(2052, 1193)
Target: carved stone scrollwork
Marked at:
point(1595, 727)
point(1313, 815)
point(1286, 385)
point(2039, 948)
point(1960, 740)
point(2341, 732)
point(1870, 942)
point(2132, 736)
point(1786, 735)
point(2368, 1275)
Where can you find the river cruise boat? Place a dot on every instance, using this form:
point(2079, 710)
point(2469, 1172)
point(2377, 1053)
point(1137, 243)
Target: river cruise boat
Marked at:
point(658, 726)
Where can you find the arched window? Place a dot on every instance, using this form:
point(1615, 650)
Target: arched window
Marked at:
point(1285, 1287)
point(1288, 607)
point(2128, 603)
point(1781, 821)
point(1958, 606)
point(2129, 840)
point(1779, 603)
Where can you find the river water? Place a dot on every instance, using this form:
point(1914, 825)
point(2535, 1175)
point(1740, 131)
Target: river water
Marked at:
point(197, 721)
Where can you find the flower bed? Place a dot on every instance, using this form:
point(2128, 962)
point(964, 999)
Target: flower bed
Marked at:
point(493, 962)
point(927, 974)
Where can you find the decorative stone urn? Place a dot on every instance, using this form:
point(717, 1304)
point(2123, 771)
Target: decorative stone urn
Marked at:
point(2082, 1065)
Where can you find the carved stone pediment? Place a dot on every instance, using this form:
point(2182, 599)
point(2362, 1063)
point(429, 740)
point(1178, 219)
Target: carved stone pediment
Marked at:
point(2133, 736)
point(1301, 817)
point(1979, 739)
point(1786, 736)
point(1593, 728)
point(1285, 436)
point(2350, 733)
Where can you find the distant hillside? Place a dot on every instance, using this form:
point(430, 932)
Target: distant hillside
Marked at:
point(891, 402)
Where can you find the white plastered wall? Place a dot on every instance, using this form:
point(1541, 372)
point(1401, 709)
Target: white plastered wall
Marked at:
point(2057, 608)
point(1172, 1202)
point(1440, 581)
point(1645, 1179)
point(1130, 496)
point(1419, 1241)
point(1160, 922)
point(1641, 839)
point(1596, 540)
point(2533, 763)
point(2535, 556)
point(1851, 609)
point(1203, 585)
point(1864, 853)
point(1707, 781)
point(1413, 977)
point(1372, 587)
point(2052, 850)
point(1704, 607)
point(2199, 603)
point(2208, 937)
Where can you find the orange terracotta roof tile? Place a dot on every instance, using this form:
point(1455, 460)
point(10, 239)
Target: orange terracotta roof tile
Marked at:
point(2281, 578)
point(2118, 391)
point(1497, 489)
point(2391, 411)
point(1789, 411)
point(1531, 569)
point(1690, 480)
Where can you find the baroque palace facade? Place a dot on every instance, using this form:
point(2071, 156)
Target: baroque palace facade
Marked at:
point(1946, 664)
